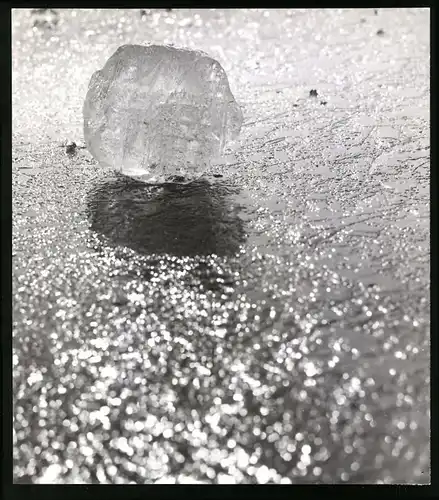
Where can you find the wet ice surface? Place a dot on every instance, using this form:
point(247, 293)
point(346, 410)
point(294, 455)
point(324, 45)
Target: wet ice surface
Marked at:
point(291, 344)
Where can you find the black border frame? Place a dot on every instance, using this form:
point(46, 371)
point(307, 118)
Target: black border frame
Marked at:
point(16, 491)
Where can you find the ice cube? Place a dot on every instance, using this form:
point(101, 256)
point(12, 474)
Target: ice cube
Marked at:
point(159, 113)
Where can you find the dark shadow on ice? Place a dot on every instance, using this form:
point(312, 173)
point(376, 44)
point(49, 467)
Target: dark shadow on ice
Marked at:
point(179, 219)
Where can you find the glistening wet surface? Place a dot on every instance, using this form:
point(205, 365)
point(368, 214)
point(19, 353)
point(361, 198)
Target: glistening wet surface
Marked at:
point(199, 218)
point(269, 325)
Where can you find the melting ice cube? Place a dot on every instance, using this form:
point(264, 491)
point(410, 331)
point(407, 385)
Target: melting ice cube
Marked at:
point(159, 113)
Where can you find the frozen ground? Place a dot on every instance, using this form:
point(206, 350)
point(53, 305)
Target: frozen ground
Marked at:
point(270, 325)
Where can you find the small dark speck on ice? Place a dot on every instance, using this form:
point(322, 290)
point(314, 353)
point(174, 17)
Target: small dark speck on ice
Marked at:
point(71, 148)
point(380, 32)
point(44, 11)
point(45, 18)
point(323, 103)
point(313, 93)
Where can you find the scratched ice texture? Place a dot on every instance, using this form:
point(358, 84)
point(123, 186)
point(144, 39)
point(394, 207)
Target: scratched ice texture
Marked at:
point(159, 113)
point(268, 326)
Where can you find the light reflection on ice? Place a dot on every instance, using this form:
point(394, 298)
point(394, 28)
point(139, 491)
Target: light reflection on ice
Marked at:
point(51, 474)
point(225, 479)
point(35, 377)
point(109, 372)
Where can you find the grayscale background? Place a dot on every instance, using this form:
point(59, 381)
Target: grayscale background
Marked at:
point(267, 326)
